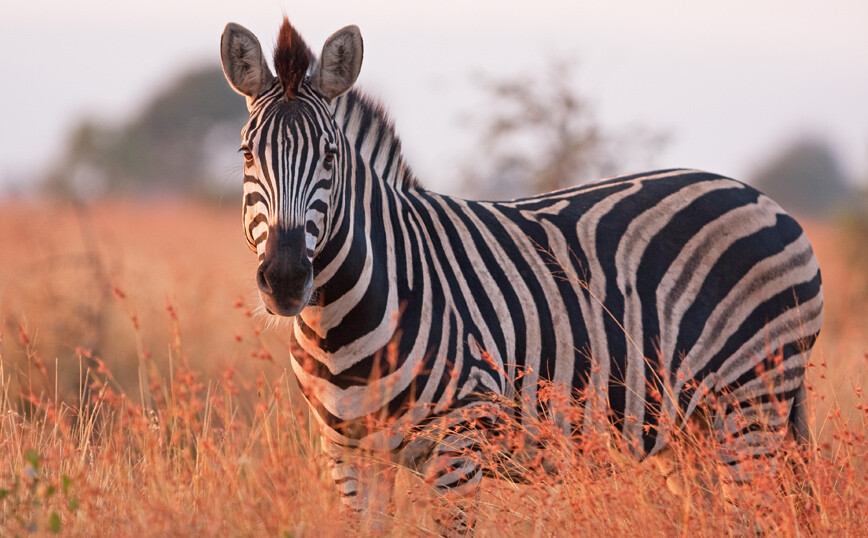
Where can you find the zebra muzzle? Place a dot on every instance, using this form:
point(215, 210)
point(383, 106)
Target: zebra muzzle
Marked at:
point(285, 276)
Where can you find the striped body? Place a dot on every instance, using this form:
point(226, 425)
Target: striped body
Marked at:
point(641, 296)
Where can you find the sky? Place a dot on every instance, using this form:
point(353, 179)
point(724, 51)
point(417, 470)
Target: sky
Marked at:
point(731, 82)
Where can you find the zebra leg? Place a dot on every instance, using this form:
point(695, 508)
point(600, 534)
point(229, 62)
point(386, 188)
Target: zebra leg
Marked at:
point(454, 470)
point(668, 468)
point(677, 472)
point(365, 484)
point(750, 430)
point(751, 425)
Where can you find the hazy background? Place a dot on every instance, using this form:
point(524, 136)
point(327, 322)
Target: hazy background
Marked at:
point(128, 292)
point(733, 86)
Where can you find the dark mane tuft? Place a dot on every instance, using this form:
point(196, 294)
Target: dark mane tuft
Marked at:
point(291, 58)
point(371, 112)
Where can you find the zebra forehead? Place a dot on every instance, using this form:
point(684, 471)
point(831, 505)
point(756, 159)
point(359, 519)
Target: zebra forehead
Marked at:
point(286, 123)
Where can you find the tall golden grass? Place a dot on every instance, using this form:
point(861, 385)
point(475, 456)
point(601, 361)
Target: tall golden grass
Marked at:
point(140, 396)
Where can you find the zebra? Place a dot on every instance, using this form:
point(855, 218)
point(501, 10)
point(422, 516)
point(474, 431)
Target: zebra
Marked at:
point(650, 293)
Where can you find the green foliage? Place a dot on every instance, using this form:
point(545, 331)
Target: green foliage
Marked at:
point(32, 457)
point(32, 491)
point(165, 149)
point(806, 178)
point(852, 243)
point(54, 523)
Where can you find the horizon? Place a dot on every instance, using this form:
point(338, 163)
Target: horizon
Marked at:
point(731, 92)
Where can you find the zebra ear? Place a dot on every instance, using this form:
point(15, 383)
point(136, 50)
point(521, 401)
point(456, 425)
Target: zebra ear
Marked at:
point(340, 63)
point(243, 62)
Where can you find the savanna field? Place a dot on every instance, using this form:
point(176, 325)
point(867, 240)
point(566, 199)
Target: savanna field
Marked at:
point(141, 394)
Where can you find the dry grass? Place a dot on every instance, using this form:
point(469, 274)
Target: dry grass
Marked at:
point(140, 397)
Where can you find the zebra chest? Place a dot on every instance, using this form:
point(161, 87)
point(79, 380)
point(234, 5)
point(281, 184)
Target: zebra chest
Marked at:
point(399, 385)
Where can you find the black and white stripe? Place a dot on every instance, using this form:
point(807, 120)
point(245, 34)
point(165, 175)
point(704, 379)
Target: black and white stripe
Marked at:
point(647, 296)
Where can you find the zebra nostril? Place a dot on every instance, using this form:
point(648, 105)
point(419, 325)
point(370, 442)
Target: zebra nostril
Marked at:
point(262, 281)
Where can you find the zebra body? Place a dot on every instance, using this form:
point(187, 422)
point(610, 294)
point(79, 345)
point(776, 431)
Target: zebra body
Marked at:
point(643, 295)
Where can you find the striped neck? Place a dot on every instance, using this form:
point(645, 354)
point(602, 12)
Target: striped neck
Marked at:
point(357, 301)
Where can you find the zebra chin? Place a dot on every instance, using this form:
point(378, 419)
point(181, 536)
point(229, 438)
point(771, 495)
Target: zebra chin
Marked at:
point(286, 306)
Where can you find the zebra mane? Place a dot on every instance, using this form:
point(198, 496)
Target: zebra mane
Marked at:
point(292, 57)
point(369, 117)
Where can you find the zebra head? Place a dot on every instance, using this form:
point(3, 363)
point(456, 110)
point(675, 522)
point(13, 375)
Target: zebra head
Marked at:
point(291, 152)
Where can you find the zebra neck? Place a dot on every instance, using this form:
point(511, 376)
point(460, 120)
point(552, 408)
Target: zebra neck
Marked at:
point(357, 303)
point(359, 298)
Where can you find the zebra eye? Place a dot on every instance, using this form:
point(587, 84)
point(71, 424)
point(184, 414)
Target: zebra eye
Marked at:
point(248, 156)
point(329, 160)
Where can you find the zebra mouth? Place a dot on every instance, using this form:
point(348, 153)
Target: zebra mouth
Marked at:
point(293, 310)
point(287, 305)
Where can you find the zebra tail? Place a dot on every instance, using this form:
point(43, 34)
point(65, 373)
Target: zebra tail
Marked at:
point(799, 426)
point(799, 417)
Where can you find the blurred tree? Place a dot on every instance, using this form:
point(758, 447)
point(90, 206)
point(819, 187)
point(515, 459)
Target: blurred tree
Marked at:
point(807, 179)
point(167, 148)
point(541, 135)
